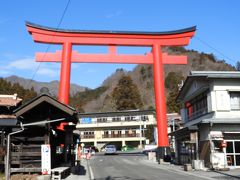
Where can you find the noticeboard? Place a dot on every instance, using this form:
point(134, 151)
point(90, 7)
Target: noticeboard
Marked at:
point(46, 158)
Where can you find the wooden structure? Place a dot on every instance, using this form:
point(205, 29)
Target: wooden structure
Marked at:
point(7, 121)
point(40, 118)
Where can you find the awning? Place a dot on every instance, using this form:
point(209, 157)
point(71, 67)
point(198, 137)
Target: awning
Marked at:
point(8, 122)
point(183, 132)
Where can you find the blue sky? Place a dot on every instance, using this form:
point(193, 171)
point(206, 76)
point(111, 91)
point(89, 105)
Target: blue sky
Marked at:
point(217, 22)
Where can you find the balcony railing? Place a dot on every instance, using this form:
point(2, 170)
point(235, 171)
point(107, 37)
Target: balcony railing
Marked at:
point(92, 136)
point(89, 136)
point(111, 121)
point(198, 113)
point(120, 135)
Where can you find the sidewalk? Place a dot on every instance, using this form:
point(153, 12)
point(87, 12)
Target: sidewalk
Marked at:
point(80, 172)
point(233, 174)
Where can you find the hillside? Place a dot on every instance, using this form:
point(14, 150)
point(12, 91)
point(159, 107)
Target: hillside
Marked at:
point(100, 99)
point(52, 86)
point(142, 76)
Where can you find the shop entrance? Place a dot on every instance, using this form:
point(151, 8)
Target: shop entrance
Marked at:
point(233, 153)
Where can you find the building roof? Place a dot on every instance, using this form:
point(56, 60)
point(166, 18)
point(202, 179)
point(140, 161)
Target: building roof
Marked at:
point(215, 74)
point(190, 29)
point(44, 105)
point(116, 113)
point(205, 75)
point(9, 100)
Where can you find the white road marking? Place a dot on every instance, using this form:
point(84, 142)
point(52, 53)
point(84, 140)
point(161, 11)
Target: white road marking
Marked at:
point(91, 173)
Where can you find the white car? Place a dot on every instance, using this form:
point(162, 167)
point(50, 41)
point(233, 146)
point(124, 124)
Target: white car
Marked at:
point(110, 149)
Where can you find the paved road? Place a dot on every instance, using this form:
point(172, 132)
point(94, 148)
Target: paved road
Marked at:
point(132, 167)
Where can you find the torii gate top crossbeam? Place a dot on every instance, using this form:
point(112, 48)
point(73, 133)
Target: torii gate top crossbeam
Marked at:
point(43, 34)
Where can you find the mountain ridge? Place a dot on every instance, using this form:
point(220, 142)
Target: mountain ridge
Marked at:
point(100, 99)
point(37, 85)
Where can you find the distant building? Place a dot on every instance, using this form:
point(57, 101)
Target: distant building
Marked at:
point(174, 123)
point(211, 119)
point(120, 128)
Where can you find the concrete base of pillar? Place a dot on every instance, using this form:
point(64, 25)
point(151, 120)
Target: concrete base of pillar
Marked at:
point(163, 154)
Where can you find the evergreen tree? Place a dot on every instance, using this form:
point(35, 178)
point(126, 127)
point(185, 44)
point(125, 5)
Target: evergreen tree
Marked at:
point(172, 105)
point(126, 95)
point(149, 133)
point(8, 88)
point(171, 82)
point(81, 98)
point(238, 66)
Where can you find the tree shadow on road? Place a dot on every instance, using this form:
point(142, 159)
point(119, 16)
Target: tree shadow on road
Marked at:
point(78, 170)
point(119, 178)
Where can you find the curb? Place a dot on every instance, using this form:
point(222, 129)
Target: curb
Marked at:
point(185, 172)
point(225, 174)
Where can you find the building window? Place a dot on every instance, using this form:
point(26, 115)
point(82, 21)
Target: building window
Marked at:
point(144, 118)
point(197, 106)
point(235, 100)
point(131, 118)
point(116, 119)
point(101, 120)
point(88, 134)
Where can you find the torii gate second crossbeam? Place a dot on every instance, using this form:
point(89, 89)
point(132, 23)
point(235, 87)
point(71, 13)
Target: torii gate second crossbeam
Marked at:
point(112, 39)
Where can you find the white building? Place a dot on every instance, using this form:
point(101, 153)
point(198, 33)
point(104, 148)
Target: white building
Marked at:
point(120, 128)
point(211, 115)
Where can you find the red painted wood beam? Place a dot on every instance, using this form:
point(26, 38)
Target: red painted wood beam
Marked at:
point(42, 38)
point(54, 36)
point(110, 58)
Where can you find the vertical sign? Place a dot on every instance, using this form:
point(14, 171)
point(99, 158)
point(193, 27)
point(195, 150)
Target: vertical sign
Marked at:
point(46, 158)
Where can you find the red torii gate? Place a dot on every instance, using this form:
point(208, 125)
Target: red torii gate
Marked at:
point(112, 39)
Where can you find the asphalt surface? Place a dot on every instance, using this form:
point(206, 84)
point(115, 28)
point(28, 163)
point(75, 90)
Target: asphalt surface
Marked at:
point(127, 166)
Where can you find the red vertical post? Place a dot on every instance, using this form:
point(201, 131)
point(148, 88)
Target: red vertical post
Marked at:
point(64, 87)
point(160, 96)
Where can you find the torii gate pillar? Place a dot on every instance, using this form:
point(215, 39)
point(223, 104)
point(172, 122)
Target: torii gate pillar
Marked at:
point(112, 39)
point(160, 95)
point(64, 87)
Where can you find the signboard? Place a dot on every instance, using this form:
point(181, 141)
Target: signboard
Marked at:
point(86, 120)
point(223, 100)
point(193, 137)
point(216, 135)
point(46, 158)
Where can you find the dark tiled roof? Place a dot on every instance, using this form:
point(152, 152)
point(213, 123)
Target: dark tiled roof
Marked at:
point(190, 29)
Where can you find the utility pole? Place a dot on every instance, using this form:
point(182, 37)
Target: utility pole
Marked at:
point(140, 131)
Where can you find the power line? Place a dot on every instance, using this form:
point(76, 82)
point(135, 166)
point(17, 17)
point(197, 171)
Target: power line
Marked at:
point(48, 46)
point(215, 49)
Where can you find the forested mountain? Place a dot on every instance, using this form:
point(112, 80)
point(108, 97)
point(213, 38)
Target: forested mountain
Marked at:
point(108, 96)
point(10, 89)
point(142, 77)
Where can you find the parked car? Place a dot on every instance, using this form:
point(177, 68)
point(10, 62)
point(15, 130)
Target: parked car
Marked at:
point(127, 148)
point(110, 149)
